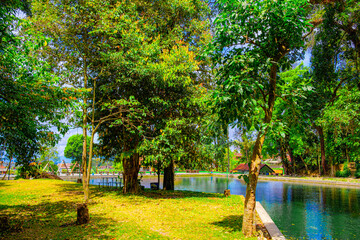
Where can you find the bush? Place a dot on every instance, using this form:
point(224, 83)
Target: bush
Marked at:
point(357, 174)
point(345, 173)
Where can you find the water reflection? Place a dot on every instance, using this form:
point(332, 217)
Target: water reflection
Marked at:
point(300, 211)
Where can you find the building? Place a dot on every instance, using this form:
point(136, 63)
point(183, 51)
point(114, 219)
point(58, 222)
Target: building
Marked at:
point(3, 168)
point(243, 168)
point(62, 167)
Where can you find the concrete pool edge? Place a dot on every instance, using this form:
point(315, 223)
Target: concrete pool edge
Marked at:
point(269, 224)
point(297, 180)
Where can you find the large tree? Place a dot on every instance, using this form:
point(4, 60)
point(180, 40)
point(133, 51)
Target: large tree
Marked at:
point(253, 42)
point(153, 67)
point(31, 100)
point(80, 33)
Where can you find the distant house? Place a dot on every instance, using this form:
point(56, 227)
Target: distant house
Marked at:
point(3, 168)
point(276, 160)
point(62, 166)
point(105, 167)
point(243, 168)
point(237, 155)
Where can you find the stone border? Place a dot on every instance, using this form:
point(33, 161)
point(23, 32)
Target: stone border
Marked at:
point(310, 181)
point(270, 226)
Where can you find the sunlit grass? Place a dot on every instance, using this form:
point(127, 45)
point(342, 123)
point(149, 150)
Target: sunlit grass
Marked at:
point(46, 209)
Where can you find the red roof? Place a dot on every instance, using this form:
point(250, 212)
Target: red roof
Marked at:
point(245, 167)
point(238, 155)
point(61, 165)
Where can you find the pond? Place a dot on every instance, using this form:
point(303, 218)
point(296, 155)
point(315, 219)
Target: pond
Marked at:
point(300, 211)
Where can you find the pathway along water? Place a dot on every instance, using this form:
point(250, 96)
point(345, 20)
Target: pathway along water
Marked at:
point(300, 211)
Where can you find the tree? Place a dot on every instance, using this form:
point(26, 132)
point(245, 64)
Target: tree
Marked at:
point(334, 62)
point(74, 148)
point(31, 100)
point(253, 42)
point(81, 32)
point(152, 65)
point(290, 118)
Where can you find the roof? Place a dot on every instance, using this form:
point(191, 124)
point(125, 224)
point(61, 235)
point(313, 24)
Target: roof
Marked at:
point(245, 167)
point(105, 167)
point(2, 168)
point(238, 155)
point(62, 165)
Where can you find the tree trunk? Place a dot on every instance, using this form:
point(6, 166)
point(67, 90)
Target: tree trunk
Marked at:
point(322, 147)
point(248, 226)
point(83, 216)
point(284, 159)
point(130, 177)
point(306, 167)
point(169, 176)
point(8, 169)
point(158, 173)
point(84, 127)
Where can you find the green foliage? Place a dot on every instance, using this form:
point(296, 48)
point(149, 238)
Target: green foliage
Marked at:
point(161, 119)
point(245, 177)
point(31, 98)
point(74, 148)
point(244, 51)
point(48, 153)
point(344, 173)
point(246, 145)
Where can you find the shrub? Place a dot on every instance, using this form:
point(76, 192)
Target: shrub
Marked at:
point(345, 173)
point(357, 174)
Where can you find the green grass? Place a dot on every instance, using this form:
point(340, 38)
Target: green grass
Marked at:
point(46, 209)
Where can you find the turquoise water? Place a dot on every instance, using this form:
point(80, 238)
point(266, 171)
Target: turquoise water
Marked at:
point(300, 211)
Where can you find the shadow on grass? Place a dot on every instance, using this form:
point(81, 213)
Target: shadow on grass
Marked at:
point(3, 183)
point(147, 193)
point(53, 220)
point(163, 194)
point(232, 222)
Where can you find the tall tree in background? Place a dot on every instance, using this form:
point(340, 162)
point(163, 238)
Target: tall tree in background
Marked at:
point(253, 42)
point(31, 100)
point(74, 148)
point(335, 62)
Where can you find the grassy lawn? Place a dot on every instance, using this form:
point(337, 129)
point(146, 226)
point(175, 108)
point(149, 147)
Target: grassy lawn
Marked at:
point(46, 209)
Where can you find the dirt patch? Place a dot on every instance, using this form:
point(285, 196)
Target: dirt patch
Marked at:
point(48, 176)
